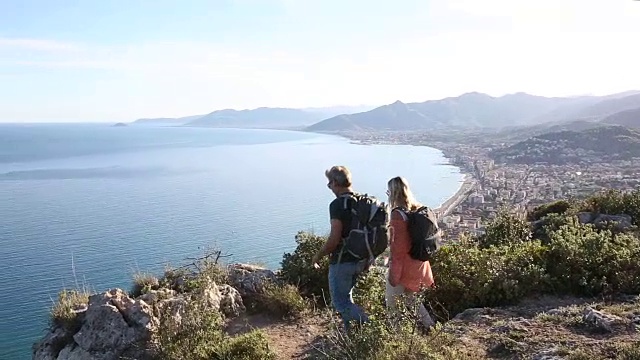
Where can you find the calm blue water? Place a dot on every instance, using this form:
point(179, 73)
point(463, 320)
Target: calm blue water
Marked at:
point(111, 201)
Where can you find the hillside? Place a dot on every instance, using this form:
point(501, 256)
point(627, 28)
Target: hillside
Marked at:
point(597, 144)
point(610, 106)
point(257, 118)
point(627, 118)
point(396, 116)
point(476, 111)
point(471, 110)
point(559, 285)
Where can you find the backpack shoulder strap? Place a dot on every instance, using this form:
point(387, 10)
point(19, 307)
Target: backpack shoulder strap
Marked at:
point(402, 212)
point(347, 199)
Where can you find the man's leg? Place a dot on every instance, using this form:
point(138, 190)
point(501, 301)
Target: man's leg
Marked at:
point(342, 279)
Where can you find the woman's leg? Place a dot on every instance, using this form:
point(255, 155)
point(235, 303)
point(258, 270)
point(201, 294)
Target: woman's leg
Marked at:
point(392, 294)
point(419, 308)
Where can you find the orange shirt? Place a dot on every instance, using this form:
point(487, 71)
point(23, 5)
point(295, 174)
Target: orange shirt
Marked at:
point(404, 270)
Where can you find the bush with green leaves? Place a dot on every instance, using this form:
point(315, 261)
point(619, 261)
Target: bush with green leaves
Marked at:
point(189, 328)
point(282, 300)
point(585, 261)
point(557, 207)
point(198, 334)
point(505, 229)
point(615, 202)
point(369, 291)
point(382, 339)
point(468, 275)
point(296, 267)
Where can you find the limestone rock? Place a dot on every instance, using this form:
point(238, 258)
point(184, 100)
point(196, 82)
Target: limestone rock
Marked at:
point(470, 314)
point(231, 303)
point(113, 324)
point(49, 347)
point(154, 296)
point(599, 321)
point(548, 354)
point(249, 280)
point(623, 221)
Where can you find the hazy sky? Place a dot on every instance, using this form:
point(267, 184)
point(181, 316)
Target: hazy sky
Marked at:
point(118, 60)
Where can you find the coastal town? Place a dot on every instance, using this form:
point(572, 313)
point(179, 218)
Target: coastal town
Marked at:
point(489, 187)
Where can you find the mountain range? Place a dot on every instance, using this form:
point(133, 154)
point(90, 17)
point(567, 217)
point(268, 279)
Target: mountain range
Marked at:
point(260, 118)
point(519, 113)
point(477, 110)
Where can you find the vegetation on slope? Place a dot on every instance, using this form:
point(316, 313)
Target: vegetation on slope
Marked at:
point(566, 147)
point(511, 293)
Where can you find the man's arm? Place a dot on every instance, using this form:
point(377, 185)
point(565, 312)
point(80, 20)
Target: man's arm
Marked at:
point(336, 213)
point(332, 242)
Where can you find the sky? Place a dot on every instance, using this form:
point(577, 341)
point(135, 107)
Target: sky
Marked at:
point(119, 60)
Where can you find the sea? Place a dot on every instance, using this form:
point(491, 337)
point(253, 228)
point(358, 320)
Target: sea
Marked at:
point(89, 205)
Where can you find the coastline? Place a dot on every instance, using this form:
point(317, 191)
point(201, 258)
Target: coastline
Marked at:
point(468, 179)
point(451, 203)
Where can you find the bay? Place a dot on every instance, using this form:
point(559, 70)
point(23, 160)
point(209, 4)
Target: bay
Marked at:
point(90, 204)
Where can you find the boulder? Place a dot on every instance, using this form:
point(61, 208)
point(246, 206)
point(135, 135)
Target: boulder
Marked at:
point(231, 303)
point(599, 321)
point(112, 325)
point(249, 280)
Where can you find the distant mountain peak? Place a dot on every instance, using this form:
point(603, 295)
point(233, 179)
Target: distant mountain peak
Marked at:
point(396, 105)
point(475, 94)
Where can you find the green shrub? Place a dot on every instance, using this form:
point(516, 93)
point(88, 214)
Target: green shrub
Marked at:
point(197, 333)
point(379, 340)
point(282, 300)
point(551, 223)
point(557, 207)
point(585, 261)
point(250, 346)
point(469, 276)
point(369, 291)
point(296, 267)
point(194, 275)
point(615, 202)
point(505, 229)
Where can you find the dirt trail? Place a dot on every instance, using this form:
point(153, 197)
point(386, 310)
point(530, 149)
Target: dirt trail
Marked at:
point(290, 339)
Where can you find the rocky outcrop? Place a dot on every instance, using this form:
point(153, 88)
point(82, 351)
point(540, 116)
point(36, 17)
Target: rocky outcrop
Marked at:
point(249, 279)
point(114, 326)
point(621, 222)
point(599, 321)
point(531, 329)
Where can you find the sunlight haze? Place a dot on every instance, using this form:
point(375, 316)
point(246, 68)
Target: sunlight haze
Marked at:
point(123, 60)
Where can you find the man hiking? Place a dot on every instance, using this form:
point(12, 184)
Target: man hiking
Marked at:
point(344, 268)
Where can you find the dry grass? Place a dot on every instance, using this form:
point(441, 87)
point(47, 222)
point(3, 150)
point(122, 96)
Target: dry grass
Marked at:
point(65, 311)
point(553, 327)
point(143, 283)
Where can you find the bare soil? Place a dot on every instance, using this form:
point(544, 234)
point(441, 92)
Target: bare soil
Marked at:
point(290, 339)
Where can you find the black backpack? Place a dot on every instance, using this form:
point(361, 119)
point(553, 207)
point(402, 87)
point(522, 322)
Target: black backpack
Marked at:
point(424, 232)
point(368, 235)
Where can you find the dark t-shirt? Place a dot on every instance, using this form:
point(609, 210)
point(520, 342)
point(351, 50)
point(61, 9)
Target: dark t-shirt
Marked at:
point(337, 211)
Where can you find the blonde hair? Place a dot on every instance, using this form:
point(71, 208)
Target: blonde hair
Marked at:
point(340, 175)
point(400, 195)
